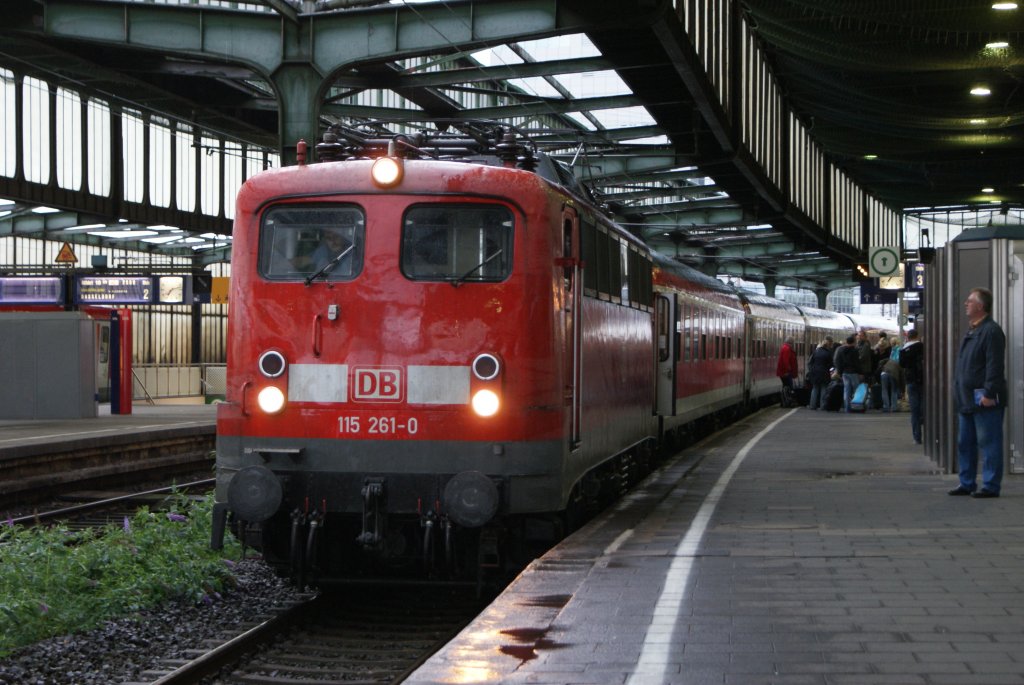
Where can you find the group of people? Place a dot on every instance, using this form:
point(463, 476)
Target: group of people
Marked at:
point(855, 361)
point(979, 386)
point(897, 368)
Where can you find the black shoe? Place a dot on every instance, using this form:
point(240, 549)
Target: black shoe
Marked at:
point(961, 492)
point(984, 494)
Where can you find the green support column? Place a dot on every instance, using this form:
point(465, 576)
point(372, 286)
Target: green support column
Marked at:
point(299, 92)
point(769, 286)
point(822, 297)
point(709, 265)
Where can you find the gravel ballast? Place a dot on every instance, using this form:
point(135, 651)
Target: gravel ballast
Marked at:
point(119, 651)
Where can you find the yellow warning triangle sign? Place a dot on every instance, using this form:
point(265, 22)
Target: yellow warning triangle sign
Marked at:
point(66, 255)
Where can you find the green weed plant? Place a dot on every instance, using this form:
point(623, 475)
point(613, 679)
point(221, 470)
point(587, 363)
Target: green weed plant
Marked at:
point(54, 581)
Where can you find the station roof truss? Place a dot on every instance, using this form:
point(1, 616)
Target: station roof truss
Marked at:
point(612, 88)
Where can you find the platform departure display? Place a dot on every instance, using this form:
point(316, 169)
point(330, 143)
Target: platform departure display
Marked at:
point(31, 290)
point(114, 290)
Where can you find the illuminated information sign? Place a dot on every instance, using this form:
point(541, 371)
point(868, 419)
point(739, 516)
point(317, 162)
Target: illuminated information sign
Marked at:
point(31, 290)
point(114, 290)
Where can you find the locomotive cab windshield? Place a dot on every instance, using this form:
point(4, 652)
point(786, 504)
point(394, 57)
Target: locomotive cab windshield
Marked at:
point(457, 243)
point(302, 243)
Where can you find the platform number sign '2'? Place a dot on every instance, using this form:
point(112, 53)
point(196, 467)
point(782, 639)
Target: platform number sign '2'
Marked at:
point(883, 261)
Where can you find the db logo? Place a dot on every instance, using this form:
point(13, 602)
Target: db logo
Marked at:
point(377, 384)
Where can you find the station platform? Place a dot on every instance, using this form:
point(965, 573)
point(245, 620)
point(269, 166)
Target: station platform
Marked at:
point(26, 437)
point(44, 457)
point(796, 547)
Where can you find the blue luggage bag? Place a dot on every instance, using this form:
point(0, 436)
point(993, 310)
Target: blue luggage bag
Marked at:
point(860, 398)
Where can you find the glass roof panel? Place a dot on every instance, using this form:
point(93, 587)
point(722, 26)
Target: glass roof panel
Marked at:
point(655, 140)
point(594, 84)
point(496, 56)
point(623, 117)
point(581, 120)
point(559, 47)
point(535, 85)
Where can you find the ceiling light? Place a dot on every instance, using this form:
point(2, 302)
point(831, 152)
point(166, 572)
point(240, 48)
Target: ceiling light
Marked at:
point(1004, 5)
point(997, 45)
point(870, 156)
point(979, 122)
point(980, 90)
point(988, 190)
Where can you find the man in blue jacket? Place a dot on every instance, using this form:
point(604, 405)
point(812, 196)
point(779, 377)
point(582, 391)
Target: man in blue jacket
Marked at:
point(979, 392)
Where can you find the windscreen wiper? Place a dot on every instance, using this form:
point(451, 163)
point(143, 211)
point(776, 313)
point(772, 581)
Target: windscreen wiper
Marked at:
point(462, 279)
point(330, 265)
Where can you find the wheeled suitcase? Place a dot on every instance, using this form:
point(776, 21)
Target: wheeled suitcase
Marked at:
point(876, 396)
point(834, 396)
point(861, 397)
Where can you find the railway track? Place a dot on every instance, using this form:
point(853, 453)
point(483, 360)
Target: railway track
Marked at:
point(362, 635)
point(91, 509)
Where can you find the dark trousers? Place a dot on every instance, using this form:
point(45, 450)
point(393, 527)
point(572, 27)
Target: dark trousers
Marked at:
point(916, 399)
point(981, 431)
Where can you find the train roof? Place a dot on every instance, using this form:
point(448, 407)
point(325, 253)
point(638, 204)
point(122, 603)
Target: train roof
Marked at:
point(874, 323)
point(762, 305)
point(671, 272)
point(826, 319)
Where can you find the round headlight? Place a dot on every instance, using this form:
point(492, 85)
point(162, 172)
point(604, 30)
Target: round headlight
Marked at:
point(486, 367)
point(271, 364)
point(270, 399)
point(486, 403)
point(386, 171)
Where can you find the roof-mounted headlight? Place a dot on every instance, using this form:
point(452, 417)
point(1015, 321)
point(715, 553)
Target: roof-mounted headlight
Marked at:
point(387, 171)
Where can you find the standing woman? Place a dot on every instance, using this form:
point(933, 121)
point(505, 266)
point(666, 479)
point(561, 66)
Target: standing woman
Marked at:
point(912, 363)
point(819, 372)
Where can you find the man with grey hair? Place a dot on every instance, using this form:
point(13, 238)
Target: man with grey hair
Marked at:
point(979, 392)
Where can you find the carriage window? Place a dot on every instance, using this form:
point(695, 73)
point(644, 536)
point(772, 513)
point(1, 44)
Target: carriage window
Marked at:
point(457, 243)
point(684, 315)
point(298, 241)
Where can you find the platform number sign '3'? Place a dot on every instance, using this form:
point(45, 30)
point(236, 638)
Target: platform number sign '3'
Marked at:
point(883, 261)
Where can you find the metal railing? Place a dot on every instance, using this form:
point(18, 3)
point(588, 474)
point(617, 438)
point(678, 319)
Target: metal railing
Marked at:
point(153, 382)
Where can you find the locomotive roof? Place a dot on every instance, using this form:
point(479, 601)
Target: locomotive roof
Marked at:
point(474, 142)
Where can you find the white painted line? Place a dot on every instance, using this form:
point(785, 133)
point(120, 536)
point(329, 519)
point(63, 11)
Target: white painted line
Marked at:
point(99, 431)
point(655, 655)
point(617, 542)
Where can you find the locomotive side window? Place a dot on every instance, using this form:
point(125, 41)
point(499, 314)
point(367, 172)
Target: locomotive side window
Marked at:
point(299, 241)
point(588, 238)
point(601, 263)
point(457, 243)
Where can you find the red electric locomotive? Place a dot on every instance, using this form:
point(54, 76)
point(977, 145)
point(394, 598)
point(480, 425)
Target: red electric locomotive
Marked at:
point(440, 350)
point(417, 359)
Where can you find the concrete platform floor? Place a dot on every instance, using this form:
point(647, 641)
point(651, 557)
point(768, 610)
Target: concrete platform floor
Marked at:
point(794, 548)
